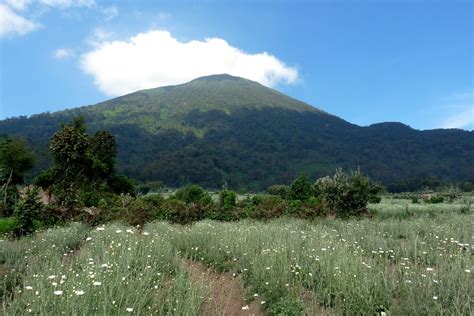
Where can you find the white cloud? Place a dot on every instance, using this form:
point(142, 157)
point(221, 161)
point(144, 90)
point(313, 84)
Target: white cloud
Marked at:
point(63, 53)
point(99, 36)
point(12, 24)
point(18, 4)
point(110, 12)
point(461, 111)
point(155, 59)
point(64, 4)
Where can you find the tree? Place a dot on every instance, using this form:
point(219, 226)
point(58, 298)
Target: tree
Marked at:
point(84, 166)
point(15, 160)
point(69, 148)
point(301, 189)
point(102, 153)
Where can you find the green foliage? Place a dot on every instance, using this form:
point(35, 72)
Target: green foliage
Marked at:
point(84, 166)
point(435, 199)
point(101, 153)
point(45, 179)
point(270, 207)
point(15, 160)
point(279, 189)
point(263, 137)
point(345, 194)
point(149, 187)
point(227, 199)
point(119, 184)
point(26, 211)
point(288, 306)
point(69, 149)
point(192, 194)
point(300, 189)
point(7, 225)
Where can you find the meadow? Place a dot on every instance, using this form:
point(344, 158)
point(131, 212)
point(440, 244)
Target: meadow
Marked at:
point(405, 259)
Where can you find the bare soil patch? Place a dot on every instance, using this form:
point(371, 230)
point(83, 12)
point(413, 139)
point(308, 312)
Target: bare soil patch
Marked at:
point(226, 293)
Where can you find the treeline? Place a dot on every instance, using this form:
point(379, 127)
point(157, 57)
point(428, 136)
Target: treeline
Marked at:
point(252, 149)
point(83, 184)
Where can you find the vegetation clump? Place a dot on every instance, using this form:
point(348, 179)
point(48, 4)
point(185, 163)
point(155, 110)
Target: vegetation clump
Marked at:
point(15, 160)
point(27, 211)
point(346, 194)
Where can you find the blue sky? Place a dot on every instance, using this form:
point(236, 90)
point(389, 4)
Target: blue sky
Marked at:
point(365, 61)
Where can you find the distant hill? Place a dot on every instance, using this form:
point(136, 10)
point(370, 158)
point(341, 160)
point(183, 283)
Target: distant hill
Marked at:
point(221, 128)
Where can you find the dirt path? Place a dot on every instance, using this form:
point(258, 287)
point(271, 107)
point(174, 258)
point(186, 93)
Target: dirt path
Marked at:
point(226, 293)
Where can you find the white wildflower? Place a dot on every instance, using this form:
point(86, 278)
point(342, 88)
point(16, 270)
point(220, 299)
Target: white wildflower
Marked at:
point(58, 292)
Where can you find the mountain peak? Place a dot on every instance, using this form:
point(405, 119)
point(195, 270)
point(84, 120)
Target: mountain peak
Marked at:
point(218, 77)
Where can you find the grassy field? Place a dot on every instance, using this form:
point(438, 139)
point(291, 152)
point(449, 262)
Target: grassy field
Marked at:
point(408, 259)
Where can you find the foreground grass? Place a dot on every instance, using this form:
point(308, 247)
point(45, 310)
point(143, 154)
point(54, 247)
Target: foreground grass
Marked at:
point(117, 271)
point(394, 263)
point(6, 225)
point(367, 266)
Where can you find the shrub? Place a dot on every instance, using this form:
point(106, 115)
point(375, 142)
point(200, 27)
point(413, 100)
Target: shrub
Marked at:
point(26, 211)
point(149, 187)
point(192, 194)
point(435, 199)
point(7, 225)
point(270, 207)
point(227, 199)
point(279, 190)
point(300, 189)
point(121, 184)
point(345, 194)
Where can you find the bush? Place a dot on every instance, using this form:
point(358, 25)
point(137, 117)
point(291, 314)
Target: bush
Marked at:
point(270, 207)
point(26, 211)
point(119, 184)
point(193, 194)
point(279, 190)
point(300, 189)
point(148, 187)
point(345, 194)
point(435, 199)
point(7, 225)
point(227, 199)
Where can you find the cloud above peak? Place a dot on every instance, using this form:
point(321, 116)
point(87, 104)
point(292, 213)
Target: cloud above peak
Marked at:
point(12, 24)
point(156, 58)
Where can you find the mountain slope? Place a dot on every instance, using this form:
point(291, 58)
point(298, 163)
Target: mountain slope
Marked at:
point(221, 128)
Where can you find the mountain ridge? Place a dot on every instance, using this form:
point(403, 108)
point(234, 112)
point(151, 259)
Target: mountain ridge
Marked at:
point(222, 128)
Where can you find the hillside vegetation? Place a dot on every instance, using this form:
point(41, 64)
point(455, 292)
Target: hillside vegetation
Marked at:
point(222, 129)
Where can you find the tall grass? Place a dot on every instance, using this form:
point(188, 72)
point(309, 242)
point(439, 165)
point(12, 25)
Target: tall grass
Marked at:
point(398, 262)
point(355, 267)
point(118, 270)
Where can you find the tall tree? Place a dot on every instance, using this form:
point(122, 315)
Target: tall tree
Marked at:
point(15, 160)
point(83, 165)
point(69, 147)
